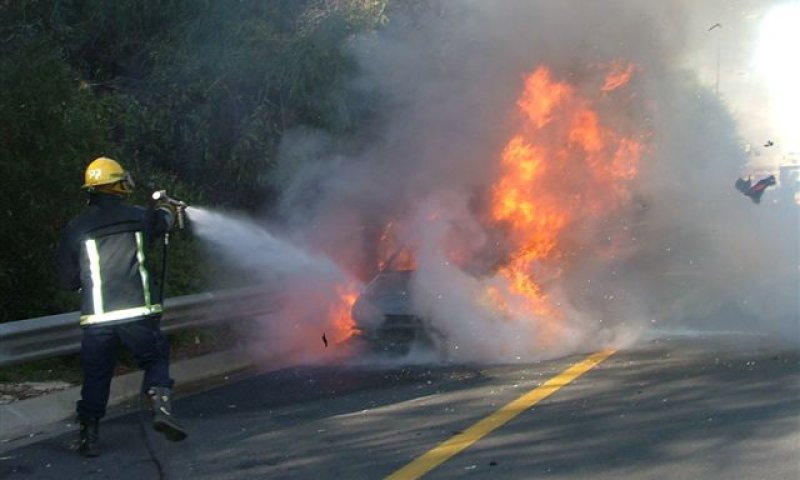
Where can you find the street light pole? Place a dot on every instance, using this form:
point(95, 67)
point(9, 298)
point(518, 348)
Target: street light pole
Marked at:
point(719, 41)
point(716, 89)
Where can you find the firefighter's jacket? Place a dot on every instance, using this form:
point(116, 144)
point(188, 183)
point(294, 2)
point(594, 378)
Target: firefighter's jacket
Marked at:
point(103, 252)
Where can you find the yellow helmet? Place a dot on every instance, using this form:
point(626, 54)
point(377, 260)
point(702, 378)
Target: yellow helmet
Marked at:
point(106, 175)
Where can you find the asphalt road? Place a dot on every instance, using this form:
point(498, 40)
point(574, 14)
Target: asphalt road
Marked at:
point(709, 407)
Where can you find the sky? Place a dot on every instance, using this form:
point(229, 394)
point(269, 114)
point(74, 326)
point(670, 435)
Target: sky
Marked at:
point(748, 59)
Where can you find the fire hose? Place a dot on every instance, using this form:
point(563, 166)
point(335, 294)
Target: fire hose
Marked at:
point(180, 208)
point(180, 213)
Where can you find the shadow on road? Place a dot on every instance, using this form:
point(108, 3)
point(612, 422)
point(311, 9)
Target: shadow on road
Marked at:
point(719, 413)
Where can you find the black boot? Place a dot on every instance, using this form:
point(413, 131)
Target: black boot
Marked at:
point(164, 421)
point(89, 437)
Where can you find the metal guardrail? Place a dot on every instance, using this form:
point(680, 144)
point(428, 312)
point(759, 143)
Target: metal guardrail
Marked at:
point(55, 335)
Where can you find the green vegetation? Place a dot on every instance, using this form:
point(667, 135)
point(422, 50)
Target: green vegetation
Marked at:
point(190, 95)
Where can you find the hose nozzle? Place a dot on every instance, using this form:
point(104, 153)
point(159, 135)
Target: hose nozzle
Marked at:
point(161, 196)
point(180, 205)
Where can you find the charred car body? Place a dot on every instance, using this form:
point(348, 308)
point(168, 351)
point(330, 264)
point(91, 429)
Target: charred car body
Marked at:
point(385, 318)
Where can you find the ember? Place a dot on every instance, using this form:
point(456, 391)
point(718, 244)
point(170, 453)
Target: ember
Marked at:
point(619, 75)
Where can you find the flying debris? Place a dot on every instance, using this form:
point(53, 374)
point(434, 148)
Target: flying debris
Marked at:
point(716, 25)
point(755, 191)
point(769, 143)
point(325, 340)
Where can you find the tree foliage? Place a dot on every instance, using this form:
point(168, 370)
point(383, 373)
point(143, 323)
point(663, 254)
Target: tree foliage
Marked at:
point(190, 95)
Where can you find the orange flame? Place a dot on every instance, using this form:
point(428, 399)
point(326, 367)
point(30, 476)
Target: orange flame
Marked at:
point(563, 165)
point(619, 75)
point(340, 313)
point(392, 254)
point(538, 107)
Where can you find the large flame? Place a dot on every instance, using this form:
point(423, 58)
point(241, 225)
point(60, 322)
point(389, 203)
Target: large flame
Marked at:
point(562, 166)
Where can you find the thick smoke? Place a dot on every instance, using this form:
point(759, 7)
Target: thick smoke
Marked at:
point(689, 250)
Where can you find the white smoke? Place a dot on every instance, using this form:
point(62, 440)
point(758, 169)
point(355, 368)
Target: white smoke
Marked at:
point(695, 251)
point(299, 287)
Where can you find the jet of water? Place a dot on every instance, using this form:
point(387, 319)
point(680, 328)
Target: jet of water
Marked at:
point(251, 247)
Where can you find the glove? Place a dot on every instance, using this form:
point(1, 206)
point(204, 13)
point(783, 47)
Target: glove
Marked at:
point(174, 208)
point(170, 213)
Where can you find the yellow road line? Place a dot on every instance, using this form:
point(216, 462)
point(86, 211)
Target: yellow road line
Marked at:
point(442, 452)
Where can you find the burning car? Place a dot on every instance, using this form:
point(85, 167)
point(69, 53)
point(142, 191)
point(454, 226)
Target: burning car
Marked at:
point(385, 319)
point(533, 220)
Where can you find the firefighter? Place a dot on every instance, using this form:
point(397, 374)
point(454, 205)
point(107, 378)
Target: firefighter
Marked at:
point(103, 254)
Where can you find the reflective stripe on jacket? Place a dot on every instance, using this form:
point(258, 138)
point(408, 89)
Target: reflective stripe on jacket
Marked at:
point(104, 254)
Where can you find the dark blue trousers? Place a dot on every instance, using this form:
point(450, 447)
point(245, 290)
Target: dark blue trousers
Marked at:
point(99, 351)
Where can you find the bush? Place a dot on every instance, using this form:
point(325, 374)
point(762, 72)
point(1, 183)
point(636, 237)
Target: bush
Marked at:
point(51, 126)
